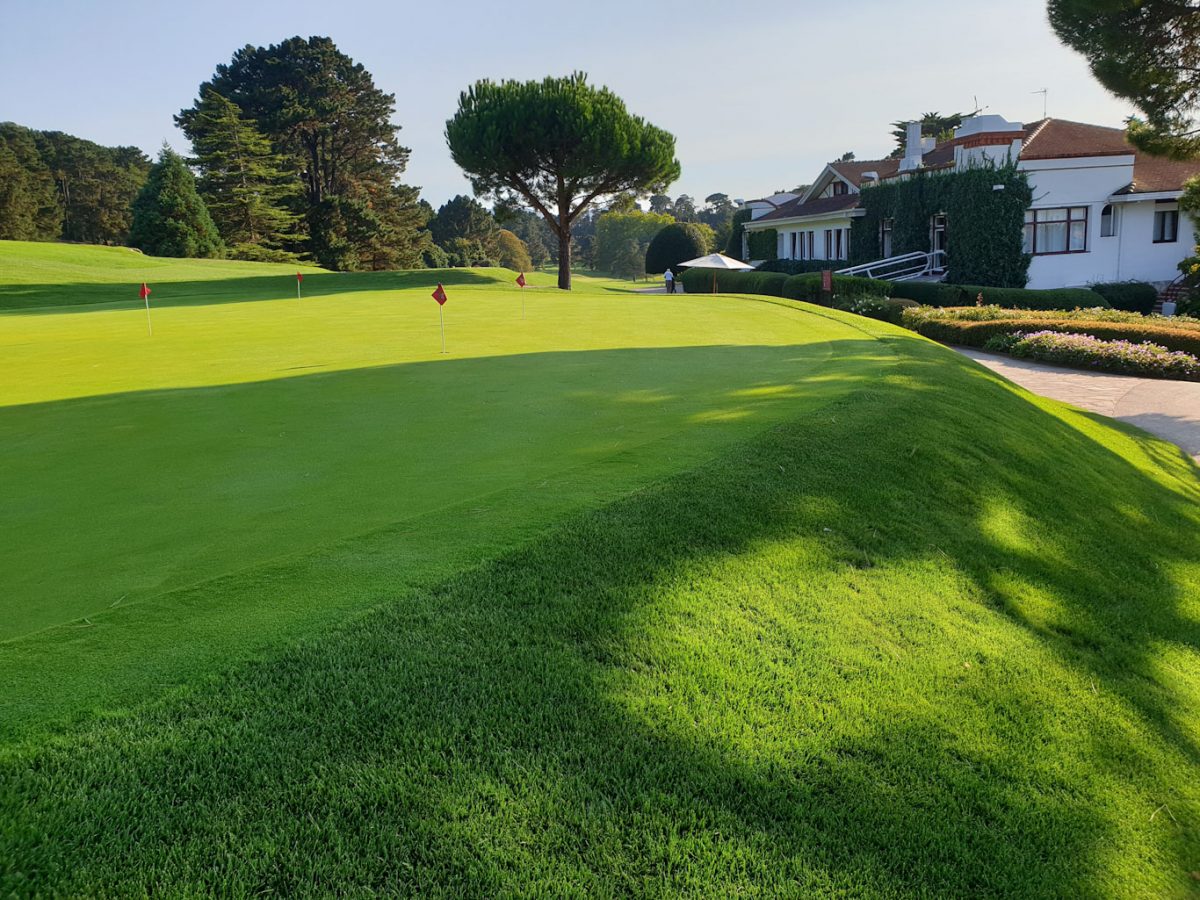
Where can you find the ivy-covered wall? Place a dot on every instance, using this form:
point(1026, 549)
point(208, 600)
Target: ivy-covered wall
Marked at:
point(984, 226)
point(764, 244)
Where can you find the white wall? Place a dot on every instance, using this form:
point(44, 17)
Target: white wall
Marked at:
point(819, 227)
point(1129, 255)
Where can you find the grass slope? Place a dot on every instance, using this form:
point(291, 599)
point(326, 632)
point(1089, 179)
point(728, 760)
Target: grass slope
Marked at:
point(919, 634)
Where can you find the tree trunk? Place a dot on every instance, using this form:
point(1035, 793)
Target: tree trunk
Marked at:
point(564, 257)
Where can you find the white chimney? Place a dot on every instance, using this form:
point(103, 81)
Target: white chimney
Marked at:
point(912, 147)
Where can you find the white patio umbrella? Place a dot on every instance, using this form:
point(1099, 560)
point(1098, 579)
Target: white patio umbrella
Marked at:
point(716, 262)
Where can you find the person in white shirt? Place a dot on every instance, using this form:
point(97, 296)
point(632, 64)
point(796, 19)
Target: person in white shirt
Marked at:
point(669, 277)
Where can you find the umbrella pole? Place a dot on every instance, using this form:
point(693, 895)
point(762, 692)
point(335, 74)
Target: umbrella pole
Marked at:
point(714, 281)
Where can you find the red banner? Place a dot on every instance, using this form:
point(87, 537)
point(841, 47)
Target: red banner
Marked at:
point(440, 295)
point(144, 292)
point(521, 279)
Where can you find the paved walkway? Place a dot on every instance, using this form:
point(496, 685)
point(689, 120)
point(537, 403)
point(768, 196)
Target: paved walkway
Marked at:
point(1169, 409)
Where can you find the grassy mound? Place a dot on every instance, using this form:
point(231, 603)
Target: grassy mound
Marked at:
point(906, 630)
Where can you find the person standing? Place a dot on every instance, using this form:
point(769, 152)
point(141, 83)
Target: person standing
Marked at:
point(669, 278)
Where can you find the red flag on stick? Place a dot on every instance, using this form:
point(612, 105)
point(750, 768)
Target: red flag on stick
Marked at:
point(144, 293)
point(440, 296)
point(299, 278)
point(521, 279)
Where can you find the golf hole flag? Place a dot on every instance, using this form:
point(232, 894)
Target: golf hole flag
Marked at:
point(144, 293)
point(440, 296)
point(299, 278)
point(521, 280)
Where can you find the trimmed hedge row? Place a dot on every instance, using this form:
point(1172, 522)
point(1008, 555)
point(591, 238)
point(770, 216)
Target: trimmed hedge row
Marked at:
point(799, 266)
point(932, 293)
point(845, 288)
point(1133, 296)
point(976, 334)
point(1086, 352)
point(700, 281)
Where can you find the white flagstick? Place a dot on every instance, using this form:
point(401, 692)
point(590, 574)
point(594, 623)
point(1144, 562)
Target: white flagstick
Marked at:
point(442, 321)
point(149, 327)
point(522, 301)
point(297, 286)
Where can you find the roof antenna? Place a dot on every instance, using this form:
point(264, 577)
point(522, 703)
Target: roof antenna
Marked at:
point(1045, 92)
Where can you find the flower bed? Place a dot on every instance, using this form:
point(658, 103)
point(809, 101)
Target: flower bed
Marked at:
point(975, 326)
point(1082, 351)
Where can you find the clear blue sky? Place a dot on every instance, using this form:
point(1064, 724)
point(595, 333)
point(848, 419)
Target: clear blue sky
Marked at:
point(758, 94)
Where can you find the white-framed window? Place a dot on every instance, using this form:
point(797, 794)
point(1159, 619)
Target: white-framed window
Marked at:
point(812, 245)
point(1051, 231)
point(794, 256)
point(1108, 221)
point(838, 249)
point(1166, 226)
point(828, 244)
point(885, 237)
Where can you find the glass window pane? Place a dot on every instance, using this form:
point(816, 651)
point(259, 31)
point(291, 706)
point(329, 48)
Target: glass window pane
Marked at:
point(1028, 216)
point(1052, 215)
point(1078, 212)
point(1028, 244)
point(1052, 237)
point(1079, 235)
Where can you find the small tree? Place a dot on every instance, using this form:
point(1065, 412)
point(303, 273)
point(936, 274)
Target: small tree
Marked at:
point(630, 261)
point(512, 253)
point(677, 243)
point(558, 145)
point(614, 231)
point(169, 218)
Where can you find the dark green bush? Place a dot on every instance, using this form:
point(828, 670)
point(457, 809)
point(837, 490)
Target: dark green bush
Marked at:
point(674, 244)
point(1133, 296)
point(763, 244)
point(1023, 298)
point(845, 288)
point(929, 293)
point(768, 283)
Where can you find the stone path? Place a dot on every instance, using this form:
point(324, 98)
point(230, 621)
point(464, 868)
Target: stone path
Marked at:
point(1169, 409)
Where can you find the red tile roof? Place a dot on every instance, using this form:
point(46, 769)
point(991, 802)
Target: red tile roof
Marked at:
point(1060, 139)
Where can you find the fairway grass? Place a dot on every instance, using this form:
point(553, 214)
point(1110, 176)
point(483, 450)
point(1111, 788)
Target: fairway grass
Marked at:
point(695, 595)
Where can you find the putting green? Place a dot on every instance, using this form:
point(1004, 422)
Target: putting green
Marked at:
point(151, 480)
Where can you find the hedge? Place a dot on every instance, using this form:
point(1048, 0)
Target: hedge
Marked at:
point(1134, 296)
point(763, 244)
point(976, 334)
point(845, 287)
point(700, 281)
point(932, 293)
point(886, 310)
point(674, 244)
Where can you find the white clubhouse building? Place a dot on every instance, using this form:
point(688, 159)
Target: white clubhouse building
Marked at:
point(1102, 210)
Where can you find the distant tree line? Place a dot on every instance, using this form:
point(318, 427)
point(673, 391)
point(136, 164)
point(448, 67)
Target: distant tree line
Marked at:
point(54, 186)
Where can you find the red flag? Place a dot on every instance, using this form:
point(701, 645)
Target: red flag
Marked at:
point(521, 279)
point(440, 294)
point(144, 292)
point(299, 277)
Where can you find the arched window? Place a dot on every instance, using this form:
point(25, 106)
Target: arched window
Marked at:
point(1108, 221)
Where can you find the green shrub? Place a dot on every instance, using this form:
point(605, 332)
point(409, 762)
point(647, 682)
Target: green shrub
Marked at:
point(764, 244)
point(929, 293)
point(768, 283)
point(1023, 298)
point(846, 288)
point(887, 310)
point(733, 247)
point(674, 244)
point(1132, 296)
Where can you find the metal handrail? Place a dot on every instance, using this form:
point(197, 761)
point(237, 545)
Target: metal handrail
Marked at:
point(911, 265)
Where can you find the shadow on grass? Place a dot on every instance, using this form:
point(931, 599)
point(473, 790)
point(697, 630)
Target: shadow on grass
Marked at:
point(749, 678)
point(74, 298)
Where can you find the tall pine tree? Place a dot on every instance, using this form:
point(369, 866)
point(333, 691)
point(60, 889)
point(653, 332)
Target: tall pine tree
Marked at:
point(323, 112)
point(169, 218)
point(244, 183)
point(28, 211)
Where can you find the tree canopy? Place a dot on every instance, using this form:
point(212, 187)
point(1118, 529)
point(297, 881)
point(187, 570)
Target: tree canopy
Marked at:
point(1148, 52)
point(558, 145)
point(678, 243)
point(615, 230)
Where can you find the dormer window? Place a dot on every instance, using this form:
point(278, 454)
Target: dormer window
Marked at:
point(839, 188)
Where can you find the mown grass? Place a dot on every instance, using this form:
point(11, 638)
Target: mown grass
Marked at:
point(923, 635)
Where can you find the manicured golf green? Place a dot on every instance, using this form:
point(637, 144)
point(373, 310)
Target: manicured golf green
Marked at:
point(699, 595)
